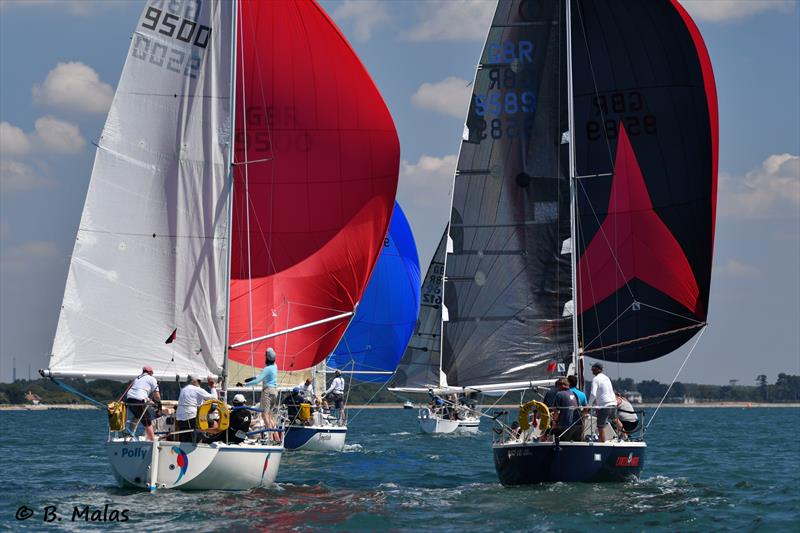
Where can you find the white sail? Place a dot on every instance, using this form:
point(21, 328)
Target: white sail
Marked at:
point(151, 254)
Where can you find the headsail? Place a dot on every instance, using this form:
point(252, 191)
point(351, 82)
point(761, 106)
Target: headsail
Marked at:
point(646, 152)
point(385, 319)
point(420, 366)
point(508, 276)
point(317, 160)
point(151, 253)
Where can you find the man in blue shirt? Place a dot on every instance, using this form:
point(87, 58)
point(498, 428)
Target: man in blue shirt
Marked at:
point(268, 377)
point(573, 386)
point(568, 416)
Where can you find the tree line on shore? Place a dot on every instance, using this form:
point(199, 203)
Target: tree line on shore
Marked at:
point(786, 388)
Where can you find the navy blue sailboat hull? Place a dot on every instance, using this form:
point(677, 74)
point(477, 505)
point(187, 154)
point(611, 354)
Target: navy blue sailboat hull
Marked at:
point(525, 464)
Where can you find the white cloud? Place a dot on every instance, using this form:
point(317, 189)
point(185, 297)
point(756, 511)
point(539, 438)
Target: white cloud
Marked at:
point(74, 86)
point(424, 193)
point(29, 256)
point(721, 10)
point(58, 136)
point(13, 140)
point(16, 176)
point(736, 269)
point(366, 16)
point(770, 191)
point(81, 8)
point(448, 97)
point(453, 20)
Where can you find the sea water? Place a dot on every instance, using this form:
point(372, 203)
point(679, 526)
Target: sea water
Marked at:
point(706, 469)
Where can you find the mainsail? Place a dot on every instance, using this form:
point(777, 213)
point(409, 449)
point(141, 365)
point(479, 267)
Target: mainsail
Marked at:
point(315, 161)
point(646, 148)
point(316, 168)
point(420, 366)
point(508, 276)
point(387, 314)
point(151, 253)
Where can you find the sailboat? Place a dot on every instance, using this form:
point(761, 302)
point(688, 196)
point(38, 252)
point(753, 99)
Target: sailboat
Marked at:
point(242, 186)
point(420, 369)
point(376, 339)
point(582, 216)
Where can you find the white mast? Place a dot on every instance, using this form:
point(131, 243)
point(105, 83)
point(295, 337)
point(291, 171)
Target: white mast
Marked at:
point(232, 151)
point(573, 207)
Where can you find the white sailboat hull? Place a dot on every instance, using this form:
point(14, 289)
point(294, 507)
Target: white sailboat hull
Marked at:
point(187, 466)
point(469, 424)
point(324, 438)
point(432, 423)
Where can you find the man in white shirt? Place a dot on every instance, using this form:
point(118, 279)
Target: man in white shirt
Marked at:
point(307, 388)
point(602, 395)
point(141, 390)
point(336, 393)
point(191, 397)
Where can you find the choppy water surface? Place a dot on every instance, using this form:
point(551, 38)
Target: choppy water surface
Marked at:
point(707, 469)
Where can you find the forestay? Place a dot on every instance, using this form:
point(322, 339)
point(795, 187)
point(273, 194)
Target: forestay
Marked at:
point(151, 252)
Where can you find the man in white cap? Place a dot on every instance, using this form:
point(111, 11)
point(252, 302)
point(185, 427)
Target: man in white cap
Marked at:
point(190, 398)
point(268, 377)
point(602, 395)
point(239, 423)
point(143, 388)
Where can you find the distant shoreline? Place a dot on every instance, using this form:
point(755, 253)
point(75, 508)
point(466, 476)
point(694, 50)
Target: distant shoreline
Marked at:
point(705, 405)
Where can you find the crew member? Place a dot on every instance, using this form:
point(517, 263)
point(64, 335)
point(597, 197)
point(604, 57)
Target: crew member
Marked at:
point(190, 398)
point(268, 377)
point(602, 395)
point(239, 423)
point(143, 388)
point(336, 393)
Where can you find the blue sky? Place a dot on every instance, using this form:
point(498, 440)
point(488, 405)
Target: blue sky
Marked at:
point(60, 61)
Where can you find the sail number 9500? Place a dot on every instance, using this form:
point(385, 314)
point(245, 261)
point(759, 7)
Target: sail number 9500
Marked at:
point(183, 29)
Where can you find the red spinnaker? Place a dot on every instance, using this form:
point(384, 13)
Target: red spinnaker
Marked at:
point(312, 203)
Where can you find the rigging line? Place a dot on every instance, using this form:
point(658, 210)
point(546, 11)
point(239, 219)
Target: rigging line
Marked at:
point(250, 162)
point(251, 348)
point(690, 319)
point(350, 420)
point(600, 334)
point(265, 109)
point(653, 416)
point(608, 243)
point(594, 84)
point(648, 337)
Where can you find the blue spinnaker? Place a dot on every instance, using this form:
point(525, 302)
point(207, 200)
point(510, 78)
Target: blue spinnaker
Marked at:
point(387, 314)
